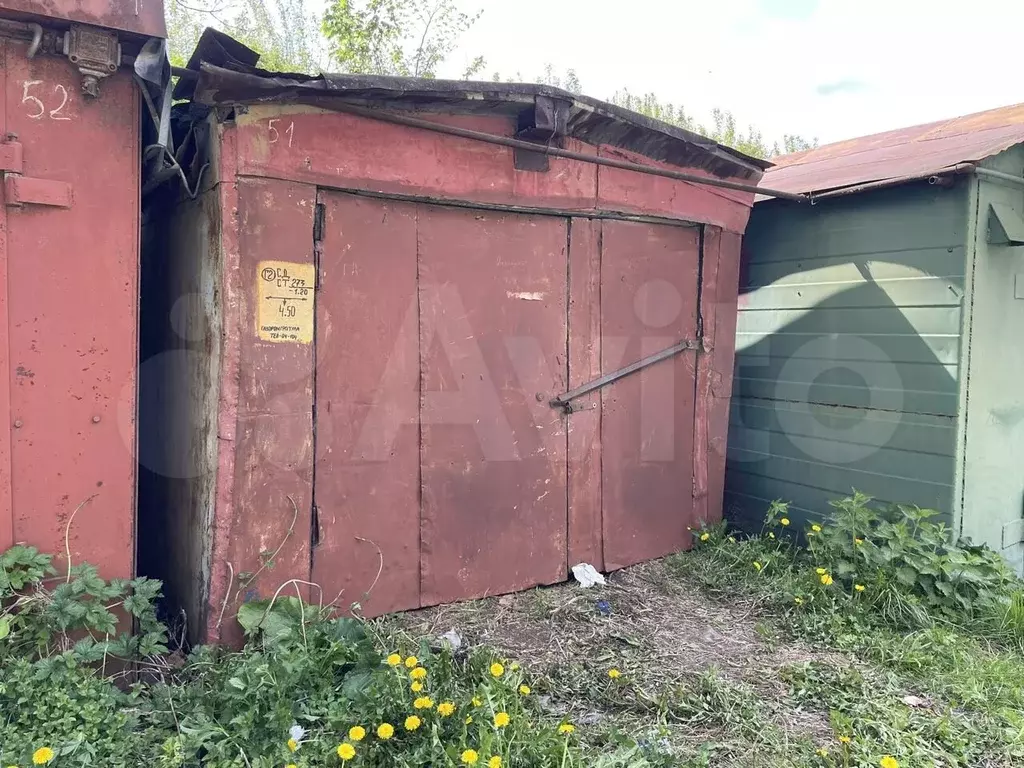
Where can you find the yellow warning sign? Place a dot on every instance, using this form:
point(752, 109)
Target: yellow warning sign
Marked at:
point(285, 310)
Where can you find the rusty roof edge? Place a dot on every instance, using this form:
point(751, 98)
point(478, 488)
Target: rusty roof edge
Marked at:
point(227, 72)
point(895, 181)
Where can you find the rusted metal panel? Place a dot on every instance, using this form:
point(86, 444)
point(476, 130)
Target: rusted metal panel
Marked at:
point(271, 502)
point(915, 152)
point(141, 17)
point(6, 509)
point(367, 390)
point(708, 318)
point(584, 423)
point(493, 350)
point(72, 273)
point(649, 284)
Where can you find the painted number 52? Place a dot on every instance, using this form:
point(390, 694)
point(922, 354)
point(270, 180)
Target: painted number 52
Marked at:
point(36, 108)
point(275, 135)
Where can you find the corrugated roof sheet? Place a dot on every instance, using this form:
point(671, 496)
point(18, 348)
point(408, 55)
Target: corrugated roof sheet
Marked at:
point(901, 155)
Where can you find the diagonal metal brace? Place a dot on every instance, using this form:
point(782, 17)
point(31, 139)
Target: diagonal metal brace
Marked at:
point(563, 401)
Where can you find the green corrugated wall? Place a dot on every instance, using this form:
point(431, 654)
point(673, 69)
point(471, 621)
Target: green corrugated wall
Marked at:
point(847, 351)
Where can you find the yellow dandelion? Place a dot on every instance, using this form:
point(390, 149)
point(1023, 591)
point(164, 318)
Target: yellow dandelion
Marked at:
point(822, 752)
point(416, 686)
point(423, 702)
point(418, 674)
point(469, 719)
point(292, 745)
point(469, 757)
point(858, 542)
point(346, 751)
point(614, 674)
point(385, 731)
point(291, 765)
point(524, 689)
point(859, 587)
point(820, 571)
point(732, 539)
point(771, 535)
point(412, 723)
point(42, 756)
point(412, 662)
point(758, 566)
point(501, 719)
point(476, 701)
point(889, 762)
point(394, 660)
point(784, 521)
point(844, 739)
point(514, 667)
point(826, 580)
point(566, 728)
point(798, 600)
point(356, 733)
point(705, 536)
point(446, 708)
point(494, 762)
point(497, 670)
point(816, 528)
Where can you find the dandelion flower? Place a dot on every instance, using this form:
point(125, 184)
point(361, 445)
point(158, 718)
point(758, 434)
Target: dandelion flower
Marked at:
point(418, 674)
point(822, 752)
point(291, 765)
point(826, 580)
point(423, 702)
point(771, 535)
point(446, 708)
point(859, 587)
point(758, 566)
point(524, 689)
point(346, 751)
point(614, 673)
point(784, 521)
point(494, 762)
point(497, 670)
point(889, 762)
point(844, 739)
point(469, 719)
point(501, 719)
point(732, 539)
point(416, 686)
point(820, 571)
point(566, 728)
point(514, 667)
point(858, 542)
point(42, 756)
point(412, 723)
point(816, 528)
point(292, 745)
point(412, 662)
point(469, 757)
point(394, 660)
point(705, 536)
point(385, 731)
point(356, 733)
point(476, 701)
point(798, 600)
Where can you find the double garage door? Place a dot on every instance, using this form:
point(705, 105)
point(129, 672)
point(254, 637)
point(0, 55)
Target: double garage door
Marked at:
point(442, 470)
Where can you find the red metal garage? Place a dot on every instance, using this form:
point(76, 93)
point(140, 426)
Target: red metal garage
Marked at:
point(400, 284)
point(70, 156)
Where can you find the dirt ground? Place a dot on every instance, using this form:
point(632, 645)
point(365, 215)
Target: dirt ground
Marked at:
point(663, 635)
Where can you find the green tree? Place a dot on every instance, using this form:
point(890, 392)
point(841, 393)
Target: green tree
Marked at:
point(396, 37)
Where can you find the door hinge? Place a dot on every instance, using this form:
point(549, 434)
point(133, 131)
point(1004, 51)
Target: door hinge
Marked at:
point(22, 190)
point(319, 213)
point(565, 400)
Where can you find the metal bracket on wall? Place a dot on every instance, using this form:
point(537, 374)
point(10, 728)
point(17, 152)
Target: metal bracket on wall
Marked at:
point(24, 190)
point(545, 124)
point(565, 400)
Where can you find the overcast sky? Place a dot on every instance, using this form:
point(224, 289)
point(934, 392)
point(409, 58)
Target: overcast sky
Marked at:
point(830, 69)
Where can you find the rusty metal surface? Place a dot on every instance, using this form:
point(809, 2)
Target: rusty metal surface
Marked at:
point(915, 152)
point(492, 338)
point(649, 285)
point(13, 161)
point(584, 423)
point(72, 287)
point(367, 389)
point(141, 17)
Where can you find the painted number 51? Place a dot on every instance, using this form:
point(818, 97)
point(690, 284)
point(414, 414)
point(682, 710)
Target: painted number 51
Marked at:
point(275, 135)
point(36, 108)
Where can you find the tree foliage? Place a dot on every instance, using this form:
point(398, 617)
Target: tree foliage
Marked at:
point(409, 38)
